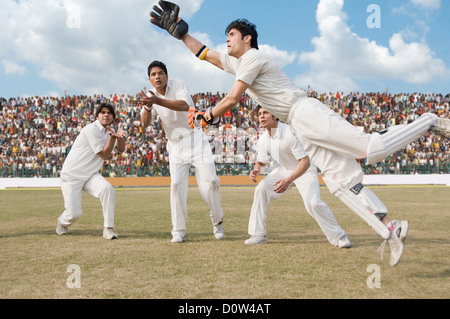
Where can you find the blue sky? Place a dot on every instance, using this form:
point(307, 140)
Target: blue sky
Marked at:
point(104, 46)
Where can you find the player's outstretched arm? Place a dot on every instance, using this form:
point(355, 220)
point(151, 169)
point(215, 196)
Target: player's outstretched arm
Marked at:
point(201, 51)
point(212, 114)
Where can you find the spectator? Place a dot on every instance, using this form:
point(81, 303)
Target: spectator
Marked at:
point(40, 131)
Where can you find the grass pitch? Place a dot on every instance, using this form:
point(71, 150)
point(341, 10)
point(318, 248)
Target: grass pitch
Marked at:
point(297, 263)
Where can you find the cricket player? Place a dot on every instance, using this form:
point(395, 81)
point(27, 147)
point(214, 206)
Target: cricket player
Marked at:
point(294, 168)
point(80, 171)
point(331, 142)
point(170, 99)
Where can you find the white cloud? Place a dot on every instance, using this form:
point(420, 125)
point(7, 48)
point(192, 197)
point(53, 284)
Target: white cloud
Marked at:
point(101, 46)
point(283, 58)
point(105, 46)
point(427, 4)
point(12, 68)
point(341, 57)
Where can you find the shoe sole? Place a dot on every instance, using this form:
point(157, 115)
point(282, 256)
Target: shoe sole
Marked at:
point(404, 232)
point(403, 235)
point(114, 237)
point(256, 243)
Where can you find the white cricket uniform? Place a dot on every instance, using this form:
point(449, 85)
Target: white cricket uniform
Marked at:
point(286, 150)
point(331, 142)
point(186, 147)
point(274, 91)
point(81, 172)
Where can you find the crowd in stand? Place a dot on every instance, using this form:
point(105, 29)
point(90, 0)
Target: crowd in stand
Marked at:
point(36, 133)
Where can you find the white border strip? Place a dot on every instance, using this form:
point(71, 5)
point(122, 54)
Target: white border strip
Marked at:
point(428, 179)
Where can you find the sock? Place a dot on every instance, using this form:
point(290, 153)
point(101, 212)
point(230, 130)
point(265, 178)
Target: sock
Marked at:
point(390, 226)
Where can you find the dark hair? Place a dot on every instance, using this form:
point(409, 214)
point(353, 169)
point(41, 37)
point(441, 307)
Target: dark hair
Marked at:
point(245, 27)
point(258, 107)
point(108, 106)
point(158, 64)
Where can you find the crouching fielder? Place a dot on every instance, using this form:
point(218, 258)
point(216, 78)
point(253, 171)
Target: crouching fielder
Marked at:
point(294, 168)
point(80, 171)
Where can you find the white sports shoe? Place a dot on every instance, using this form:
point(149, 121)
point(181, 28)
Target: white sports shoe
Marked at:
point(254, 240)
point(442, 127)
point(108, 233)
point(60, 229)
point(218, 231)
point(177, 239)
point(344, 242)
point(398, 236)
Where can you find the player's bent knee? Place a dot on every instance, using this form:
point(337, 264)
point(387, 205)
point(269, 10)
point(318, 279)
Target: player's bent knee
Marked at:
point(72, 215)
point(261, 187)
point(107, 189)
point(317, 204)
point(214, 184)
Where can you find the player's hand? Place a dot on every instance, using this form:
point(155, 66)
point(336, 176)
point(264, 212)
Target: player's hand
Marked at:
point(120, 132)
point(255, 172)
point(282, 185)
point(202, 117)
point(147, 100)
point(167, 18)
point(196, 118)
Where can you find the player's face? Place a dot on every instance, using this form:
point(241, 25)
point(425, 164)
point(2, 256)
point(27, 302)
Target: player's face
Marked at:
point(266, 120)
point(158, 78)
point(105, 117)
point(236, 45)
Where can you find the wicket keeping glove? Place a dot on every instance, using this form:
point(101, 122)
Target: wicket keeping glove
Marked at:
point(167, 18)
point(202, 118)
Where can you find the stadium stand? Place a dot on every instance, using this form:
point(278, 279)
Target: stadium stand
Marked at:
point(36, 133)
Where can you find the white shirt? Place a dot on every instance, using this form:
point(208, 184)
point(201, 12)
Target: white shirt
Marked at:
point(83, 161)
point(268, 85)
point(283, 147)
point(175, 123)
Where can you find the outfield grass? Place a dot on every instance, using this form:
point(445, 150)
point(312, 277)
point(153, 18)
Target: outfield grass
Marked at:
point(297, 263)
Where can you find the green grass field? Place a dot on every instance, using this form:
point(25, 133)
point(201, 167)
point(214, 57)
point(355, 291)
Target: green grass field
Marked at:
point(297, 263)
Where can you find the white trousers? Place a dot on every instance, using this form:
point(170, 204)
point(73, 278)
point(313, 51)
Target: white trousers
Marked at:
point(308, 187)
point(192, 150)
point(98, 187)
point(333, 144)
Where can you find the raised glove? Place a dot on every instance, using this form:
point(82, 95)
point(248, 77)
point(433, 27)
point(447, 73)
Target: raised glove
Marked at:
point(202, 118)
point(166, 18)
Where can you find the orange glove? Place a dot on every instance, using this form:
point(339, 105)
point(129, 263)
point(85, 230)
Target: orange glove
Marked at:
point(196, 118)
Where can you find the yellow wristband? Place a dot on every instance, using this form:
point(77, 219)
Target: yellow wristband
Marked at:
point(203, 56)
